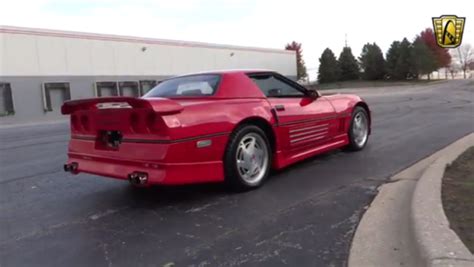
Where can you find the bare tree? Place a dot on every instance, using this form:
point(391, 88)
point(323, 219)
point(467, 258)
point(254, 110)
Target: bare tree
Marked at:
point(453, 69)
point(464, 57)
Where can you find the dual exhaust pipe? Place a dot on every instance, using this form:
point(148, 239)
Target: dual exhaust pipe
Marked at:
point(138, 178)
point(71, 167)
point(135, 178)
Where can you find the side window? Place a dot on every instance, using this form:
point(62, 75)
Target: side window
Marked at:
point(129, 88)
point(6, 100)
point(54, 94)
point(106, 89)
point(271, 86)
point(147, 85)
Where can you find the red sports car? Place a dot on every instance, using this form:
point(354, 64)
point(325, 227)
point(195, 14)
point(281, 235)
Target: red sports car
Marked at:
point(219, 126)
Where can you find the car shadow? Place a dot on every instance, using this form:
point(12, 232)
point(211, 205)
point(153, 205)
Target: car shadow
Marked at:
point(158, 195)
point(311, 161)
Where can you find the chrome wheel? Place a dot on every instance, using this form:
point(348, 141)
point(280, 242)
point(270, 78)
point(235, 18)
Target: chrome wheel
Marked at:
point(252, 158)
point(360, 129)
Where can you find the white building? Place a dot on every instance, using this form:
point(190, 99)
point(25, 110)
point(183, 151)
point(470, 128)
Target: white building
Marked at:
point(39, 69)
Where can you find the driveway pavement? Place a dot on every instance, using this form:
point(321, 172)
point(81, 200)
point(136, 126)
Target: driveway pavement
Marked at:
point(305, 215)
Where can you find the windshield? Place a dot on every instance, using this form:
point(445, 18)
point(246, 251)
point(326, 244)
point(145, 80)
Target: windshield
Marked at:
point(190, 86)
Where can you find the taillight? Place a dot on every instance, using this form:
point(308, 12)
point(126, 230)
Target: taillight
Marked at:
point(151, 122)
point(75, 123)
point(85, 122)
point(137, 123)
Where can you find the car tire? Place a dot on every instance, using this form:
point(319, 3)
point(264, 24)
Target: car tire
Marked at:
point(247, 158)
point(358, 129)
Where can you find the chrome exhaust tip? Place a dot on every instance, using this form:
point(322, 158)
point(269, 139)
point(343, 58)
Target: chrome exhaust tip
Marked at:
point(71, 167)
point(138, 178)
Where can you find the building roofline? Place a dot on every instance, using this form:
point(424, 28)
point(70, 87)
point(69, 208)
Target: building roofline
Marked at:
point(131, 39)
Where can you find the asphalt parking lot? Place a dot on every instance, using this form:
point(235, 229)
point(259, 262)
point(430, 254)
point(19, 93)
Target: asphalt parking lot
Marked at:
point(305, 215)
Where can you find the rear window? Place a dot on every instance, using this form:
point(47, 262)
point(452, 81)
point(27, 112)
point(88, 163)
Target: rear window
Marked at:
point(186, 86)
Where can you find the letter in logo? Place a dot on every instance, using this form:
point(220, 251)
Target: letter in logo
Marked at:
point(448, 30)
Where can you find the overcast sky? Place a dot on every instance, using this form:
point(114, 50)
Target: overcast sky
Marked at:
point(262, 23)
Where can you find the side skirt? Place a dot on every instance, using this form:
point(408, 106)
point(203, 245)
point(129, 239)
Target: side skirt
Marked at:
point(281, 160)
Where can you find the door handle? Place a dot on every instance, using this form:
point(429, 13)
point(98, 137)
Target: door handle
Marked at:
point(279, 107)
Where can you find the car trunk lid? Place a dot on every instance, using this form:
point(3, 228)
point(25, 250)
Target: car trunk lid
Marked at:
point(110, 120)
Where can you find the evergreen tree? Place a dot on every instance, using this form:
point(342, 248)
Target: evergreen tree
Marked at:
point(405, 68)
point(328, 67)
point(372, 62)
point(348, 65)
point(424, 61)
point(393, 54)
point(400, 62)
point(300, 65)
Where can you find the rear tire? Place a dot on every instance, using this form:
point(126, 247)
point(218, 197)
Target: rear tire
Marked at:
point(247, 158)
point(358, 130)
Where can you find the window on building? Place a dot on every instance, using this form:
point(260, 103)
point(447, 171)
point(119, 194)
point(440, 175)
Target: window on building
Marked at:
point(54, 95)
point(6, 100)
point(106, 89)
point(147, 85)
point(129, 89)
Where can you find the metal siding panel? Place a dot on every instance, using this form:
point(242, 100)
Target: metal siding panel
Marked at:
point(52, 55)
point(19, 55)
point(78, 53)
point(103, 59)
point(74, 56)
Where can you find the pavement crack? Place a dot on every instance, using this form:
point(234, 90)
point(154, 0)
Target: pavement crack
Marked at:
point(49, 229)
point(201, 208)
point(33, 144)
point(55, 170)
point(285, 244)
point(43, 231)
point(106, 253)
point(99, 215)
point(401, 179)
point(311, 199)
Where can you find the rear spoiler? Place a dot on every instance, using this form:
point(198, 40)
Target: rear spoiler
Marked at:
point(161, 106)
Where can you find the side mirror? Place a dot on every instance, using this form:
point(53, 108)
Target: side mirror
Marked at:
point(313, 94)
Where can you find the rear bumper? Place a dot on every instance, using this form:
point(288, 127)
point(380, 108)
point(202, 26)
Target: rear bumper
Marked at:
point(158, 173)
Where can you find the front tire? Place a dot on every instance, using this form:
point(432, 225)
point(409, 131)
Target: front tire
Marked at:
point(358, 129)
point(247, 158)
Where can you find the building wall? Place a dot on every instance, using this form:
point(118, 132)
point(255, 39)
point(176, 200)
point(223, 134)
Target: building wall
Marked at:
point(31, 57)
point(43, 53)
point(28, 99)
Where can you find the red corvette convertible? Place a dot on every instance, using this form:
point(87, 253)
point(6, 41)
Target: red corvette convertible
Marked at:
point(220, 126)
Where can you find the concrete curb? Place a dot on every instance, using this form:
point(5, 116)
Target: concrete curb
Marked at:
point(438, 244)
point(387, 234)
